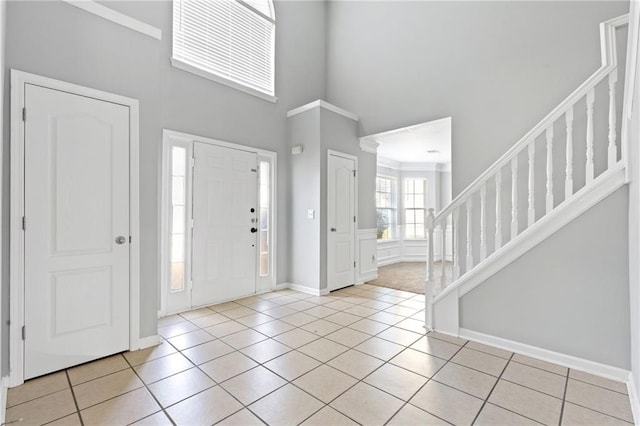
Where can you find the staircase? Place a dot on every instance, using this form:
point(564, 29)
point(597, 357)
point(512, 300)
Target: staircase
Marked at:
point(571, 160)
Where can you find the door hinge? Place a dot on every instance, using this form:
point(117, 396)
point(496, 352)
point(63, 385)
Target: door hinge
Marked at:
point(24, 332)
point(354, 173)
point(193, 161)
point(354, 219)
point(354, 263)
point(24, 223)
point(129, 239)
point(190, 284)
point(24, 114)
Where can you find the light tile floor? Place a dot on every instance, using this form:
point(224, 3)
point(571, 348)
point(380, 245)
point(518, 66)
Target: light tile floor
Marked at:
point(356, 356)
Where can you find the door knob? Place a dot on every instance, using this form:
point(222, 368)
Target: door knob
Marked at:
point(333, 229)
point(121, 240)
point(254, 230)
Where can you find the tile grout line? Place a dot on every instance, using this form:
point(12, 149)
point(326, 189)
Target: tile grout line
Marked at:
point(564, 397)
point(144, 385)
point(491, 391)
point(73, 394)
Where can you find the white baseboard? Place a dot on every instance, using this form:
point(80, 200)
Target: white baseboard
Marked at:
point(633, 399)
point(302, 289)
point(4, 388)
point(592, 367)
point(370, 276)
point(147, 342)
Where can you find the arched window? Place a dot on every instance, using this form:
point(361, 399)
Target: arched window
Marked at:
point(228, 41)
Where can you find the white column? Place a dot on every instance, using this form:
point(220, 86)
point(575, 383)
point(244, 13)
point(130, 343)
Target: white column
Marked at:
point(443, 251)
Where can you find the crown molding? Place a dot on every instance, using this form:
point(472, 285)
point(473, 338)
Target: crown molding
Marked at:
point(322, 104)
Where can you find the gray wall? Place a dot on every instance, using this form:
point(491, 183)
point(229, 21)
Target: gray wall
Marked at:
point(304, 172)
point(54, 39)
point(4, 293)
point(569, 294)
point(496, 67)
point(319, 130)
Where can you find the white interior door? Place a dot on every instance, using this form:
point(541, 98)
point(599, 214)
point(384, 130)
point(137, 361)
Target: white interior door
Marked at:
point(341, 208)
point(225, 224)
point(77, 229)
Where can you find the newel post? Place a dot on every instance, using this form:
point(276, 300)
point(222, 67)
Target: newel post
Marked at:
point(429, 283)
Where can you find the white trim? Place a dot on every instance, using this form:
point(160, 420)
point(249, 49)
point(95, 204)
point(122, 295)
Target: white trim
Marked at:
point(322, 104)
point(177, 63)
point(369, 146)
point(413, 167)
point(4, 389)
point(304, 289)
point(281, 286)
point(632, 390)
point(187, 138)
point(149, 341)
point(364, 275)
point(603, 186)
point(116, 17)
point(569, 361)
point(16, 238)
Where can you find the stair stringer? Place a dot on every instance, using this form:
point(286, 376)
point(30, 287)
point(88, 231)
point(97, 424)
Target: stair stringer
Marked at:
point(445, 306)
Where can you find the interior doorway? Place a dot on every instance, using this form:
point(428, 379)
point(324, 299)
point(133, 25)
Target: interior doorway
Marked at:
point(413, 176)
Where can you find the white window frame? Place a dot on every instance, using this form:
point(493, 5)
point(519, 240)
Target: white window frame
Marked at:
point(185, 66)
point(173, 138)
point(394, 208)
point(425, 184)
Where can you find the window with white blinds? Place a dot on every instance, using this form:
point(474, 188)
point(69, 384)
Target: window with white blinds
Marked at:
point(230, 41)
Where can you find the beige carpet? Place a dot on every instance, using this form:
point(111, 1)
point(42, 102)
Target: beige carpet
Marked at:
point(406, 276)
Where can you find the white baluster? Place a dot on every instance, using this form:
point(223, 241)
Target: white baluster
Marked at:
point(430, 265)
point(483, 223)
point(568, 183)
point(612, 150)
point(589, 168)
point(531, 216)
point(514, 197)
point(469, 234)
point(549, 134)
point(498, 209)
point(456, 260)
point(443, 248)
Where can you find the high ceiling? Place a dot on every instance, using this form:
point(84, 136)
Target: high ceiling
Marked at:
point(412, 144)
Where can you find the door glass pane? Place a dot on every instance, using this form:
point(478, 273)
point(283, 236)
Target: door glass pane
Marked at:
point(178, 217)
point(265, 196)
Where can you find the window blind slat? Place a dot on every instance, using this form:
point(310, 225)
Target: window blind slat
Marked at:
point(226, 38)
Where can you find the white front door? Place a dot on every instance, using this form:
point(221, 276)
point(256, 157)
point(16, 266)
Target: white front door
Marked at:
point(341, 202)
point(225, 224)
point(77, 229)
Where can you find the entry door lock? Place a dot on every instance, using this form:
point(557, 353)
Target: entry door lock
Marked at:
point(254, 230)
point(121, 240)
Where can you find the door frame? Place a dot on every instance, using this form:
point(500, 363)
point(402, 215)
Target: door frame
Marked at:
point(168, 138)
point(354, 158)
point(17, 196)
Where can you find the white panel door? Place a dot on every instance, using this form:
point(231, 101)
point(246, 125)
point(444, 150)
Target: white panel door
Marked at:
point(341, 202)
point(225, 224)
point(76, 210)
